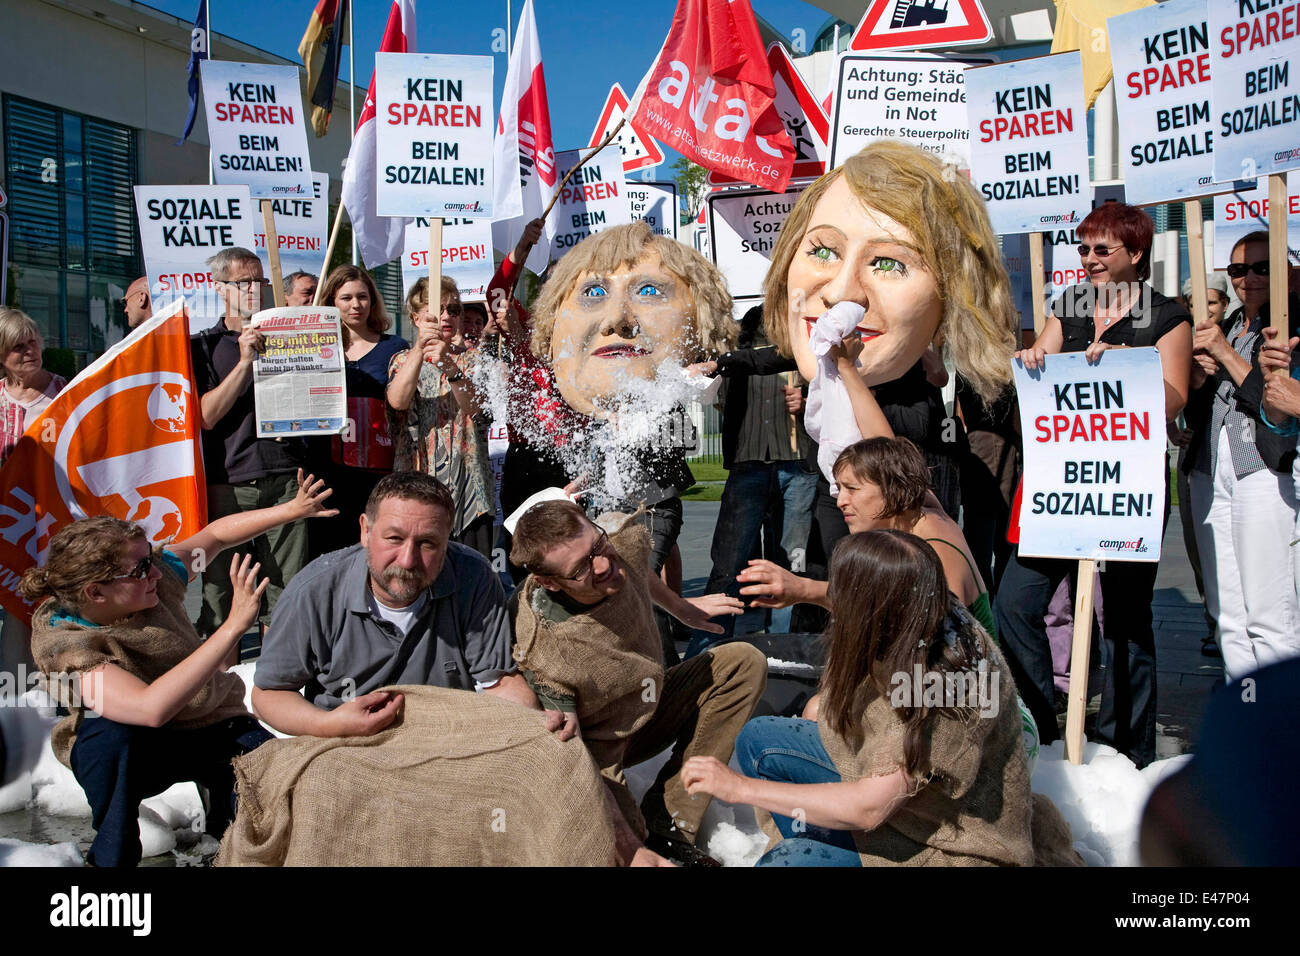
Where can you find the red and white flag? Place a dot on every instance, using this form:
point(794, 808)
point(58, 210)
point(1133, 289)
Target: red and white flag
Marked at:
point(710, 95)
point(379, 238)
point(122, 439)
point(524, 153)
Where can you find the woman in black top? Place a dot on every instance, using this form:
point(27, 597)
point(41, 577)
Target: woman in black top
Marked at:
point(1116, 309)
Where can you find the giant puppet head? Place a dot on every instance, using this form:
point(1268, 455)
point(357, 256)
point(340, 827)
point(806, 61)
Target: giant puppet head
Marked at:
point(622, 303)
point(908, 238)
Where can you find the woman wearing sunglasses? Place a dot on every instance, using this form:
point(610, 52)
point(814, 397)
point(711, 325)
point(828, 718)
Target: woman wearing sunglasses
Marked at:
point(150, 704)
point(1116, 308)
point(1244, 500)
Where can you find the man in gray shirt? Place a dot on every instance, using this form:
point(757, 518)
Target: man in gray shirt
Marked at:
point(405, 606)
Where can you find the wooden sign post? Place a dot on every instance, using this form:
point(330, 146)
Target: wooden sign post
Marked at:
point(1278, 265)
point(273, 253)
point(435, 267)
point(1040, 281)
point(1196, 261)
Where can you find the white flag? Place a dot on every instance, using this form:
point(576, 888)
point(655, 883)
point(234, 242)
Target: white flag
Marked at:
point(379, 238)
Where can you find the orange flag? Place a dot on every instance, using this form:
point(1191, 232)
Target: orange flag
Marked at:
point(122, 440)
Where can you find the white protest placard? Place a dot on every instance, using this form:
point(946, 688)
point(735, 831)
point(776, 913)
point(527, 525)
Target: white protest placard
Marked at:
point(1245, 210)
point(298, 378)
point(1161, 61)
point(594, 199)
point(918, 98)
point(255, 126)
point(181, 227)
point(1029, 142)
point(656, 204)
point(466, 255)
point(1094, 480)
point(1254, 98)
point(302, 229)
point(434, 142)
point(743, 228)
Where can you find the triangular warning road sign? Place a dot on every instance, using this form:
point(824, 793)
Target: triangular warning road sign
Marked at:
point(805, 121)
point(915, 24)
point(639, 150)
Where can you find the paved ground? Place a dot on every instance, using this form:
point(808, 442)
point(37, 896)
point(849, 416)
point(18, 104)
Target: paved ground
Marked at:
point(1185, 676)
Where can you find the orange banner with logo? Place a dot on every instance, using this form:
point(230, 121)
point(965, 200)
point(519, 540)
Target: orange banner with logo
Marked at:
point(122, 440)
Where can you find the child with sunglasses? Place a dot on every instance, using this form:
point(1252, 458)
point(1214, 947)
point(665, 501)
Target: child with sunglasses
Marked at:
point(150, 703)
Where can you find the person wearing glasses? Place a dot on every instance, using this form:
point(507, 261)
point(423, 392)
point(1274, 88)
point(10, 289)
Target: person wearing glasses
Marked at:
point(1116, 308)
point(1244, 498)
point(150, 703)
point(137, 304)
point(244, 472)
point(587, 644)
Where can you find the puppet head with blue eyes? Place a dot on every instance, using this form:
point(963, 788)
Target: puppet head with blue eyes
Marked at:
point(620, 304)
point(907, 237)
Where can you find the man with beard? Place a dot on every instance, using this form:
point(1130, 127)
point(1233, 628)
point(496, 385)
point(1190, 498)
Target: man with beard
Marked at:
point(405, 606)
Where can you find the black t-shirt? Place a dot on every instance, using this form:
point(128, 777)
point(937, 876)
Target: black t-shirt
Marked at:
point(232, 451)
point(1152, 317)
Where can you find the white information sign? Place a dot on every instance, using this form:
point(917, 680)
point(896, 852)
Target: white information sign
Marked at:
point(918, 98)
point(1161, 60)
point(302, 227)
point(255, 126)
point(743, 227)
point(181, 227)
point(434, 141)
point(466, 255)
point(1094, 480)
point(1245, 210)
point(1029, 142)
point(655, 203)
point(298, 378)
point(1254, 96)
point(594, 199)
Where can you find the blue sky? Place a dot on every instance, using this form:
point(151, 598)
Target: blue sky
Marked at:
point(587, 45)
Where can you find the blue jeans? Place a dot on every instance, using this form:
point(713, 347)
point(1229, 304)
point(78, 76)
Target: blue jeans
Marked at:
point(775, 495)
point(790, 750)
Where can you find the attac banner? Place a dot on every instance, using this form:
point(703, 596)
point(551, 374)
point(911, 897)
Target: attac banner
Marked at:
point(466, 255)
point(1029, 142)
point(256, 128)
point(181, 227)
point(655, 203)
point(1255, 101)
point(122, 440)
point(1094, 484)
point(594, 199)
point(917, 98)
point(1161, 60)
point(1245, 210)
point(435, 135)
point(743, 227)
point(302, 226)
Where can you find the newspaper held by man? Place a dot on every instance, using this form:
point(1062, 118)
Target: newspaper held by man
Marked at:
point(298, 381)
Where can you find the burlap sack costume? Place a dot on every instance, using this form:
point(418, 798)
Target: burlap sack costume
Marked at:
point(460, 780)
point(146, 645)
point(971, 804)
point(610, 658)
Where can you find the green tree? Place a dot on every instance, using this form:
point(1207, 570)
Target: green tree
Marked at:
point(691, 186)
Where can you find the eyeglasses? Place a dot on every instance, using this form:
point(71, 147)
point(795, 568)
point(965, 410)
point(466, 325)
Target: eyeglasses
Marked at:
point(1238, 270)
point(140, 571)
point(585, 568)
point(1100, 251)
point(246, 285)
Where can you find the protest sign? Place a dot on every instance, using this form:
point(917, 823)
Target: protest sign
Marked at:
point(1161, 61)
point(298, 386)
point(181, 227)
point(593, 199)
point(256, 128)
point(1094, 480)
point(1253, 97)
point(655, 203)
point(466, 255)
point(302, 229)
point(434, 142)
point(1029, 142)
point(1245, 210)
point(918, 98)
point(743, 227)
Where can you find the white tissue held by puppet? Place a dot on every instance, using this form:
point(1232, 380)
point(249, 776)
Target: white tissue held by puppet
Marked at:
point(829, 416)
